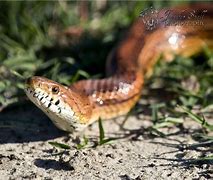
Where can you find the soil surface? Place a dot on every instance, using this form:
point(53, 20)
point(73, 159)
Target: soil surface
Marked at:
point(134, 153)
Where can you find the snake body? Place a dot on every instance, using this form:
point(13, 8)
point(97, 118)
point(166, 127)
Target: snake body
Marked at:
point(75, 107)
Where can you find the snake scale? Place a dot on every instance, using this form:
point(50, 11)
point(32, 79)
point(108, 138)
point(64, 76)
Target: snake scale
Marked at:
point(74, 107)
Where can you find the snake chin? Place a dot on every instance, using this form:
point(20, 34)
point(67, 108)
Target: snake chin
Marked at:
point(61, 114)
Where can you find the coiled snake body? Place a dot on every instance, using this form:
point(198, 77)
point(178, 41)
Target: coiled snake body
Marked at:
point(75, 107)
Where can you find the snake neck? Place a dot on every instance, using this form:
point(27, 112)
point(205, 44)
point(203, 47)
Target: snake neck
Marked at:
point(113, 96)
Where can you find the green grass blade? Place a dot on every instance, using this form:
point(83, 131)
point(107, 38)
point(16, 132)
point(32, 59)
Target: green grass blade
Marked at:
point(198, 119)
point(59, 145)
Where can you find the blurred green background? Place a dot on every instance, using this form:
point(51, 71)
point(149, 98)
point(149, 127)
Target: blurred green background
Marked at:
point(45, 38)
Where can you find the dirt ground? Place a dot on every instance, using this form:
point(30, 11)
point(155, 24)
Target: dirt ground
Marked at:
point(134, 154)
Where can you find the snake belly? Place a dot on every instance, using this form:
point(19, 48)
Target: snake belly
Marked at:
point(74, 107)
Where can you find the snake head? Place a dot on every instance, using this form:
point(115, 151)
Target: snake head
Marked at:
point(62, 104)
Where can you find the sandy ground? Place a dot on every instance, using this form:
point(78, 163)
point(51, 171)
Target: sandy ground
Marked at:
point(134, 154)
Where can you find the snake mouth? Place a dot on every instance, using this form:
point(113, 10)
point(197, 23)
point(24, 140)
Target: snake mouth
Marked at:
point(38, 92)
point(43, 100)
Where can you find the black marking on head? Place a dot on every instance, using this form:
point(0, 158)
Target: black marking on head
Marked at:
point(49, 105)
point(51, 99)
point(72, 126)
point(59, 110)
point(57, 102)
point(41, 98)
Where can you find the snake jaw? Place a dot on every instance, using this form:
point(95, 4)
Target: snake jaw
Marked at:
point(39, 91)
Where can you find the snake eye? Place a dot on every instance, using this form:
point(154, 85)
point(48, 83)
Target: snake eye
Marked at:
point(55, 90)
